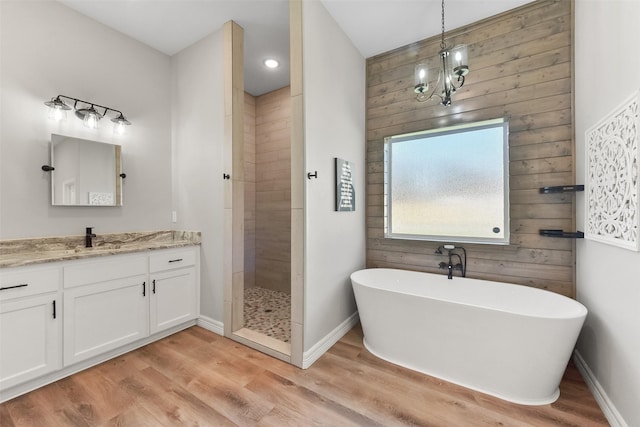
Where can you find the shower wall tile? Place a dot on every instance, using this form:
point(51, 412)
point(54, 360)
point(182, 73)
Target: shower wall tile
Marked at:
point(249, 191)
point(273, 191)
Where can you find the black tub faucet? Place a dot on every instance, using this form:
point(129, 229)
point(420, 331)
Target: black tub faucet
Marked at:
point(89, 235)
point(450, 266)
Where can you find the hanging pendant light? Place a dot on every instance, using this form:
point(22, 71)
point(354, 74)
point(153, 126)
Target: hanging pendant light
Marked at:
point(120, 121)
point(90, 116)
point(453, 69)
point(57, 109)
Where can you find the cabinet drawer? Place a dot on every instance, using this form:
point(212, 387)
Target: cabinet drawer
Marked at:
point(22, 282)
point(112, 268)
point(175, 258)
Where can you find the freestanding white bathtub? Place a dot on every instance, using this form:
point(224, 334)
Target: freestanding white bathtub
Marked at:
point(509, 341)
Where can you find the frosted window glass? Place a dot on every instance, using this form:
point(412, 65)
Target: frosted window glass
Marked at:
point(448, 185)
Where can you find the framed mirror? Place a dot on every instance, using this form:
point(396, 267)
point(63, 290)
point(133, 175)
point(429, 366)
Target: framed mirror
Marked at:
point(86, 173)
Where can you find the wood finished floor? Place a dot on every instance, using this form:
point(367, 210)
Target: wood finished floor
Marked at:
point(198, 378)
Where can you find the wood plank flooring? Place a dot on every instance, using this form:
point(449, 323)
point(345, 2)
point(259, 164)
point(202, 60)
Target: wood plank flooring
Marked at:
point(198, 378)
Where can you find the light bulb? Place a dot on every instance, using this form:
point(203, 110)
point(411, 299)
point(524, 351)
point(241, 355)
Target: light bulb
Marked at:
point(458, 62)
point(57, 113)
point(91, 120)
point(421, 72)
point(120, 128)
point(57, 109)
point(120, 124)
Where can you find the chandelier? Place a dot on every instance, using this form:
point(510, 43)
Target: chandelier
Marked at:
point(453, 69)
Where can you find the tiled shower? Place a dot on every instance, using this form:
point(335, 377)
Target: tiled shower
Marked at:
point(267, 269)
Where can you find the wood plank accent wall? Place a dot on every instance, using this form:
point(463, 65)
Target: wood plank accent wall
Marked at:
point(520, 68)
point(273, 190)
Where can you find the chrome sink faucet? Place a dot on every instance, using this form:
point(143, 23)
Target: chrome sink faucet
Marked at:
point(89, 235)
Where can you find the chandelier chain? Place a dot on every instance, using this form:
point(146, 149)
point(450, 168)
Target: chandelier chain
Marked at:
point(442, 43)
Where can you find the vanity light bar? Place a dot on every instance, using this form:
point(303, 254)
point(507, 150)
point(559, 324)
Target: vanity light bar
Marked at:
point(87, 113)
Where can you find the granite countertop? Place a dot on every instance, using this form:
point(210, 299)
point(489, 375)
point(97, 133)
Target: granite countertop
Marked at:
point(21, 252)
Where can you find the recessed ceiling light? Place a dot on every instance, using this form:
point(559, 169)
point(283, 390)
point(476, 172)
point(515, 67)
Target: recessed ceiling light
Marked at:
point(271, 63)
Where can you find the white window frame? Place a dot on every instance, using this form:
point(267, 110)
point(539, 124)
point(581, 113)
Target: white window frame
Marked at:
point(388, 176)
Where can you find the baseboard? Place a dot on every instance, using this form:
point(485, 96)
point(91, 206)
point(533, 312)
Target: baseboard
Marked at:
point(608, 408)
point(321, 347)
point(310, 356)
point(210, 324)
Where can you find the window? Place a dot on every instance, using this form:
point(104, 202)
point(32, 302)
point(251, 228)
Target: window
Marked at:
point(449, 184)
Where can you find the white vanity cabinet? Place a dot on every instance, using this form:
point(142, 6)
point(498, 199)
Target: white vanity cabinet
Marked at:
point(62, 317)
point(105, 305)
point(173, 298)
point(30, 323)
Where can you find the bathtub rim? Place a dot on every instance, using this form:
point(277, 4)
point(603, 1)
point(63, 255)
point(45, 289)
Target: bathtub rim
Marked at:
point(577, 306)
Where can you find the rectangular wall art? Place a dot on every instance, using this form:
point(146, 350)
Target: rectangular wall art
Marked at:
point(613, 153)
point(345, 193)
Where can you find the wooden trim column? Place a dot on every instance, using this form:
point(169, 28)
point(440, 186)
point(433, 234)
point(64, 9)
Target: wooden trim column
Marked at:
point(297, 183)
point(234, 186)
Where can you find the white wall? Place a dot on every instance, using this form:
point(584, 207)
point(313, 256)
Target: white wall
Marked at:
point(48, 49)
point(198, 134)
point(334, 111)
point(608, 278)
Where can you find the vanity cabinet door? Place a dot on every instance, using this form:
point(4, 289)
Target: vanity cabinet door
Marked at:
point(29, 338)
point(174, 292)
point(173, 298)
point(104, 316)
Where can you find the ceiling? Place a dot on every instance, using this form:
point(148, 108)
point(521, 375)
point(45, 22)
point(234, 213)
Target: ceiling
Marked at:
point(374, 26)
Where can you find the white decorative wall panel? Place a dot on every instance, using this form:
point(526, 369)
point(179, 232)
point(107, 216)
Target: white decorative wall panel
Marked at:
point(613, 153)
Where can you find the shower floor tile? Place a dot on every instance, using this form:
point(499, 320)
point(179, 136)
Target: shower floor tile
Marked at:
point(268, 312)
